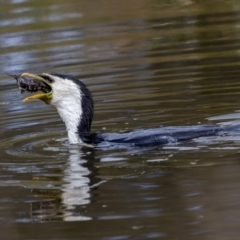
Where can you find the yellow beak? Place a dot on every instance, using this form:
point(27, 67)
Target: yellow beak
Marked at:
point(45, 97)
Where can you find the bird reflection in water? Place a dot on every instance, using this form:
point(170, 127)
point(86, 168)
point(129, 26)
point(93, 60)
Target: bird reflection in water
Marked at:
point(63, 202)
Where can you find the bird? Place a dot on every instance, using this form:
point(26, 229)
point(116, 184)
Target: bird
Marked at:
point(74, 103)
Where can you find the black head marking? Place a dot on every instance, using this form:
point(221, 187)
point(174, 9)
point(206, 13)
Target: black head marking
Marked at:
point(47, 78)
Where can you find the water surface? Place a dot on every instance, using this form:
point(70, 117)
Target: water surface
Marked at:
point(148, 64)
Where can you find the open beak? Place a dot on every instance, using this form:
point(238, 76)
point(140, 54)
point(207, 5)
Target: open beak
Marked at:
point(44, 96)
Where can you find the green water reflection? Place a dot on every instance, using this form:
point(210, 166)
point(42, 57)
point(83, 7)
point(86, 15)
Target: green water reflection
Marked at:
point(148, 64)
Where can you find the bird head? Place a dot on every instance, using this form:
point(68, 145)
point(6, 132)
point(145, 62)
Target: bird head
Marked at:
point(68, 94)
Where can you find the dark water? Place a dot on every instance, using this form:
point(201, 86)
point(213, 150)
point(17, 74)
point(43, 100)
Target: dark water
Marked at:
point(148, 64)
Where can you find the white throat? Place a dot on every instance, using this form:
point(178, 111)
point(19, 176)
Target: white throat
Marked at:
point(67, 99)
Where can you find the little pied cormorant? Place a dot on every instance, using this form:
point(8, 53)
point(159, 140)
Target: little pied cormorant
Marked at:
point(75, 106)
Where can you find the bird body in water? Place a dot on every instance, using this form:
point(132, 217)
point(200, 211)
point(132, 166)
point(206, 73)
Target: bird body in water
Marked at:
point(75, 106)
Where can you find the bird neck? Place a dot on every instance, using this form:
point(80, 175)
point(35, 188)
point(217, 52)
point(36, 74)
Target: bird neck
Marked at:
point(75, 109)
point(71, 116)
